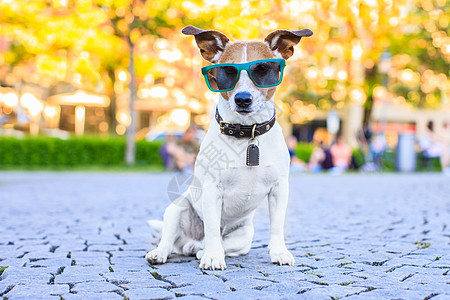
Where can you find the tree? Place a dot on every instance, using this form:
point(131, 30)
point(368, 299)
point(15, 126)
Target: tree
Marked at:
point(56, 43)
point(91, 43)
point(131, 20)
point(421, 57)
point(84, 43)
point(341, 61)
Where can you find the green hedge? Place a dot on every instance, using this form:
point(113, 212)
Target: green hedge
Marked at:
point(95, 151)
point(304, 151)
point(86, 151)
point(359, 157)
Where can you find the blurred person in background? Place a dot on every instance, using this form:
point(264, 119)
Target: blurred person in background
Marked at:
point(179, 155)
point(168, 160)
point(372, 146)
point(377, 148)
point(321, 159)
point(430, 145)
point(342, 155)
point(445, 154)
point(364, 137)
point(297, 165)
point(316, 159)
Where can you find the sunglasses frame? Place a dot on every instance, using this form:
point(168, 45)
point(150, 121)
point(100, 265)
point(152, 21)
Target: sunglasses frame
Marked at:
point(244, 66)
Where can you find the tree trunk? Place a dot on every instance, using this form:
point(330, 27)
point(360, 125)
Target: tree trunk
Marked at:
point(112, 106)
point(371, 79)
point(130, 155)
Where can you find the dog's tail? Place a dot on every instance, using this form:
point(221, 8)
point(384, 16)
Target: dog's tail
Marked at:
point(157, 225)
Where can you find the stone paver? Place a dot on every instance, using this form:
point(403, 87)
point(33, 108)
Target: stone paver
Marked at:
point(84, 236)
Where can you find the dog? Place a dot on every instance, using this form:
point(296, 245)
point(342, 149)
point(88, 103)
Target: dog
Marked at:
point(243, 158)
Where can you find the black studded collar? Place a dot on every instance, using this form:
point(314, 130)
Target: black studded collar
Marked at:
point(244, 131)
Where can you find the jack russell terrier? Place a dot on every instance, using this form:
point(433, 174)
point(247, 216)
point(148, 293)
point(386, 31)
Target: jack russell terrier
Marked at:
point(243, 158)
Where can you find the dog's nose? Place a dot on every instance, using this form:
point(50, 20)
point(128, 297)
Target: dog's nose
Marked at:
point(243, 99)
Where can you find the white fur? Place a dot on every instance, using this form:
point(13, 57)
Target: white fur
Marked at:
point(245, 84)
point(231, 191)
point(216, 57)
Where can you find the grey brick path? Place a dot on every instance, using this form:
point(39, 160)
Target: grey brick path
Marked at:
point(84, 236)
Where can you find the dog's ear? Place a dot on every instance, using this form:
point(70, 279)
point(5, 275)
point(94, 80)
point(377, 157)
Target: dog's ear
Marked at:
point(284, 41)
point(210, 42)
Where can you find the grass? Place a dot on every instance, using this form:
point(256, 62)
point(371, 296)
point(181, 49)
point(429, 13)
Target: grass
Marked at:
point(2, 269)
point(344, 264)
point(312, 273)
point(422, 245)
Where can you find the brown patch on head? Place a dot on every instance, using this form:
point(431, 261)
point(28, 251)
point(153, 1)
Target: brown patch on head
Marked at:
point(258, 50)
point(233, 53)
point(226, 95)
point(270, 92)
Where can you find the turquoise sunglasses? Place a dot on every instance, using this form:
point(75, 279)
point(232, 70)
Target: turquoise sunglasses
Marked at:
point(264, 73)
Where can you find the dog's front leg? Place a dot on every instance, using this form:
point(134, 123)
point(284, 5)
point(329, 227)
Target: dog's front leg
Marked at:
point(170, 231)
point(278, 199)
point(213, 256)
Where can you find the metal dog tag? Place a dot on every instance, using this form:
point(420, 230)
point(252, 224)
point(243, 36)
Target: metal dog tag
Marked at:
point(252, 155)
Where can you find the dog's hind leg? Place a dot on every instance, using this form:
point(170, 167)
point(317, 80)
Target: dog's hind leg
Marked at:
point(193, 233)
point(170, 231)
point(239, 241)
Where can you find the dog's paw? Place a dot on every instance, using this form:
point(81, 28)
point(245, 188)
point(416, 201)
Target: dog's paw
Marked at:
point(199, 254)
point(156, 257)
point(212, 262)
point(283, 257)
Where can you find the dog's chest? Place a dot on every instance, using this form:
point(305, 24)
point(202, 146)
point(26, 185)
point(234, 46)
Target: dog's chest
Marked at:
point(244, 188)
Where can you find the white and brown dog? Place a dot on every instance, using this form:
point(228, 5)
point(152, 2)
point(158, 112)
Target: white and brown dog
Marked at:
point(243, 158)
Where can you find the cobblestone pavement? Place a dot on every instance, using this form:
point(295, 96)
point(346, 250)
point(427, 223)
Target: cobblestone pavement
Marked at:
point(84, 236)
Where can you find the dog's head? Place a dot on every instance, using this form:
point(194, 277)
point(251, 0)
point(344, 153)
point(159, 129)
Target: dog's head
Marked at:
point(246, 97)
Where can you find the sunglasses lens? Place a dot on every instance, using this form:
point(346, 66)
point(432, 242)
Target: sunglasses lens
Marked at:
point(222, 78)
point(266, 73)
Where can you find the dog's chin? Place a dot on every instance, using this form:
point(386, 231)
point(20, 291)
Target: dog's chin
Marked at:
point(244, 112)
